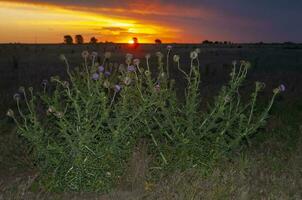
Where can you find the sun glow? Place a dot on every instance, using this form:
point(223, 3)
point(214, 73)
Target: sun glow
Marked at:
point(131, 41)
point(48, 24)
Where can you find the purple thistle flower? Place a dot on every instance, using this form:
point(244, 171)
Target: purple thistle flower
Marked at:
point(95, 76)
point(169, 47)
point(117, 88)
point(131, 68)
point(101, 69)
point(107, 74)
point(282, 88)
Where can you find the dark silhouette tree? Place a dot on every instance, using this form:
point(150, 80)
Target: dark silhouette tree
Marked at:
point(93, 40)
point(158, 41)
point(207, 42)
point(79, 39)
point(68, 39)
point(135, 42)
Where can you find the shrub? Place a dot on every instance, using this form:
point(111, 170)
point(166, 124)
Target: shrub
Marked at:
point(82, 133)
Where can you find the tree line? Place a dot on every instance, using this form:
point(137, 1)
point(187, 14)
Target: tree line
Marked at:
point(79, 39)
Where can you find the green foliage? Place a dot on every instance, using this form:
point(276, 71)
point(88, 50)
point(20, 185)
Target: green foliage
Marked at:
point(83, 132)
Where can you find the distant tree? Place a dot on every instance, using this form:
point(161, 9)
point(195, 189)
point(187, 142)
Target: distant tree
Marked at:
point(93, 40)
point(158, 41)
point(207, 42)
point(135, 42)
point(79, 39)
point(68, 39)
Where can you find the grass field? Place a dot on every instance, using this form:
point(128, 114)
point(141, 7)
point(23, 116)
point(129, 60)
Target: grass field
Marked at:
point(269, 168)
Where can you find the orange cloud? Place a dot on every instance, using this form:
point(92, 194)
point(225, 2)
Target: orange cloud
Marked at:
point(48, 23)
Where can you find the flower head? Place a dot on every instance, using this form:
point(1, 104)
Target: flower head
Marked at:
point(234, 63)
point(101, 69)
point(159, 55)
point(85, 54)
point(63, 57)
point(107, 74)
point(121, 68)
point(106, 84)
point(129, 56)
point(17, 97)
point(107, 55)
point(193, 55)
point(176, 58)
point(147, 56)
point(50, 110)
point(44, 83)
point(94, 54)
point(127, 80)
point(282, 88)
point(260, 85)
point(169, 47)
point(147, 73)
point(22, 89)
point(117, 88)
point(136, 61)
point(95, 76)
point(10, 113)
point(131, 68)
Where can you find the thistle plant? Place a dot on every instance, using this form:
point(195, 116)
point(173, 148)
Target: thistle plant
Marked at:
point(83, 132)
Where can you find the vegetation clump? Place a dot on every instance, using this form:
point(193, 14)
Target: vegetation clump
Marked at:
point(83, 131)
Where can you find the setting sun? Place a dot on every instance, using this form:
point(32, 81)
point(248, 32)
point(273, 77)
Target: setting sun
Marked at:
point(130, 41)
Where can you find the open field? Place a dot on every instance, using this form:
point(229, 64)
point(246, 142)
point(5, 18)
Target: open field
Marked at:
point(270, 168)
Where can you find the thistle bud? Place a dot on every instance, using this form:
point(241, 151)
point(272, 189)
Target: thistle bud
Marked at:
point(176, 58)
point(121, 68)
point(63, 57)
point(22, 89)
point(147, 73)
point(159, 55)
point(106, 84)
point(85, 54)
point(10, 113)
point(129, 56)
point(44, 83)
point(31, 89)
point(107, 55)
point(50, 110)
point(127, 80)
point(193, 55)
point(260, 85)
point(234, 63)
point(136, 61)
point(17, 97)
point(94, 54)
point(248, 65)
point(148, 56)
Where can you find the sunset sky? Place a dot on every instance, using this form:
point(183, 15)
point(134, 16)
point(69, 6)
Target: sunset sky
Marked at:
point(183, 21)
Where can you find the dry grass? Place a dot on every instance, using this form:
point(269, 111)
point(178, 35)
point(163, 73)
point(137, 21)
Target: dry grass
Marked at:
point(269, 169)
